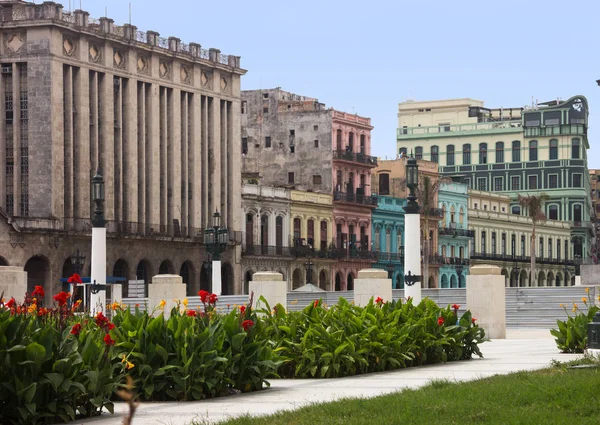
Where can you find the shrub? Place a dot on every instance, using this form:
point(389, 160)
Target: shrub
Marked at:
point(571, 335)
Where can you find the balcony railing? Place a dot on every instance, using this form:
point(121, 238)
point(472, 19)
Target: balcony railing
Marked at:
point(355, 198)
point(522, 259)
point(556, 130)
point(435, 213)
point(392, 257)
point(269, 250)
point(446, 231)
point(449, 261)
point(359, 157)
point(513, 126)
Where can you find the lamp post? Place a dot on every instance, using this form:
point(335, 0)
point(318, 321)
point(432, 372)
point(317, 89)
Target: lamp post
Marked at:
point(215, 239)
point(459, 267)
point(412, 235)
point(77, 261)
point(309, 269)
point(98, 275)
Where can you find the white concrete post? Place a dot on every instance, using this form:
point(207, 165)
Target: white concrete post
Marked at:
point(116, 292)
point(372, 283)
point(486, 299)
point(271, 286)
point(167, 287)
point(216, 277)
point(98, 301)
point(412, 254)
point(13, 283)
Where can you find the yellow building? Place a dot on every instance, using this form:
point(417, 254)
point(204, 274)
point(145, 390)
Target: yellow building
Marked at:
point(503, 238)
point(311, 233)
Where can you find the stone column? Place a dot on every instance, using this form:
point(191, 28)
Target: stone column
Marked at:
point(269, 285)
point(167, 287)
point(372, 283)
point(486, 299)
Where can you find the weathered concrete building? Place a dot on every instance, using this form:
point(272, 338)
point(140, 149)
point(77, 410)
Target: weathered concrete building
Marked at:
point(160, 119)
point(295, 142)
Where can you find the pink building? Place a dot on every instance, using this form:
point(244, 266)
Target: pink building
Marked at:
point(352, 202)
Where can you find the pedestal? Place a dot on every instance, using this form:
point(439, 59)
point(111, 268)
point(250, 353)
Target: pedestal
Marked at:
point(372, 283)
point(412, 255)
point(216, 277)
point(167, 287)
point(486, 299)
point(269, 285)
point(98, 301)
point(13, 283)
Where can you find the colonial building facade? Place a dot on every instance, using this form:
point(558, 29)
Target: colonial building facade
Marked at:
point(158, 118)
point(388, 237)
point(503, 239)
point(454, 235)
point(542, 148)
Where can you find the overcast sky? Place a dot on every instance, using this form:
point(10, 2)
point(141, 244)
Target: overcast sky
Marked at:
point(365, 57)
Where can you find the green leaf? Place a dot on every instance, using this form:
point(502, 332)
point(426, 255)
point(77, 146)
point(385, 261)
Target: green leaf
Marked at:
point(55, 379)
point(35, 352)
point(160, 350)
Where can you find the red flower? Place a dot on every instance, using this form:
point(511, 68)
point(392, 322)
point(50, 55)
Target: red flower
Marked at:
point(101, 319)
point(203, 295)
point(212, 299)
point(76, 329)
point(75, 278)
point(379, 300)
point(247, 324)
point(111, 326)
point(473, 320)
point(42, 312)
point(108, 340)
point(38, 291)
point(455, 306)
point(191, 313)
point(10, 303)
point(316, 303)
point(440, 321)
point(242, 310)
point(61, 298)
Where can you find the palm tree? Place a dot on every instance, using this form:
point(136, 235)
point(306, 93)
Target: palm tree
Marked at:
point(535, 210)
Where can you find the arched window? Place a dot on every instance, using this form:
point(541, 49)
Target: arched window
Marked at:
point(452, 215)
point(516, 151)
point(553, 149)
point(450, 155)
point(533, 150)
point(310, 233)
point(323, 235)
point(461, 215)
point(444, 214)
point(466, 154)
point(384, 184)
point(297, 230)
point(575, 148)
point(249, 230)
point(553, 212)
point(350, 147)
point(402, 151)
point(516, 210)
point(419, 152)
point(435, 151)
point(499, 152)
point(338, 141)
point(483, 153)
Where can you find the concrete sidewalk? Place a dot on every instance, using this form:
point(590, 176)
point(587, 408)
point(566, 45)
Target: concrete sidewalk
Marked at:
point(522, 350)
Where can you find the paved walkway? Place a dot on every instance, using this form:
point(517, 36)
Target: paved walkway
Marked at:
point(522, 350)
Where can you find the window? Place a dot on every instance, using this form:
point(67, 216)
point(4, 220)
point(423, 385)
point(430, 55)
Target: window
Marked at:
point(498, 184)
point(541, 248)
point(566, 249)
point(315, 127)
point(549, 247)
point(265, 95)
point(265, 109)
point(363, 148)
point(481, 183)
point(503, 247)
point(384, 184)
point(575, 151)
point(532, 182)
point(244, 106)
point(553, 149)
point(444, 127)
point(513, 245)
point(516, 210)
point(316, 179)
point(553, 212)
point(244, 145)
point(523, 245)
point(434, 154)
point(466, 154)
point(475, 205)
point(577, 212)
point(402, 151)
point(267, 141)
point(558, 249)
point(533, 150)
point(338, 141)
point(450, 155)
point(515, 183)
point(418, 152)
point(576, 180)
point(493, 243)
point(552, 181)
point(291, 177)
point(483, 153)
point(499, 152)
point(316, 143)
point(483, 242)
point(292, 149)
point(516, 151)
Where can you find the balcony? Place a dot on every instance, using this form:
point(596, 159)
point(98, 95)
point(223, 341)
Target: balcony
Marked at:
point(356, 157)
point(335, 253)
point(438, 260)
point(434, 213)
point(446, 231)
point(507, 258)
point(268, 250)
point(391, 257)
point(513, 126)
point(354, 198)
point(557, 130)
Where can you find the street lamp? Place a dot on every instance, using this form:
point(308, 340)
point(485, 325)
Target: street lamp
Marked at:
point(412, 236)
point(98, 274)
point(309, 269)
point(215, 239)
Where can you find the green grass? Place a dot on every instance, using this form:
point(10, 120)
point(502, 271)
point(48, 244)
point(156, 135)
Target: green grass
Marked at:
point(557, 395)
